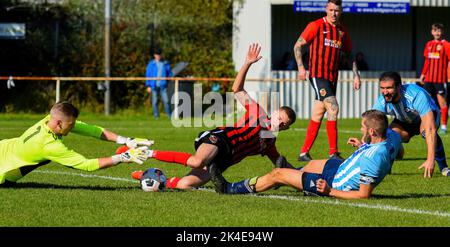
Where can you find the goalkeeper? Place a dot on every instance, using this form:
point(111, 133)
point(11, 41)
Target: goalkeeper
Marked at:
point(42, 143)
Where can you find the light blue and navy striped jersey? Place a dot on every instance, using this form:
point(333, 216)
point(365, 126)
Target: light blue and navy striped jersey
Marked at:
point(369, 164)
point(414, 103)
point(395, 140)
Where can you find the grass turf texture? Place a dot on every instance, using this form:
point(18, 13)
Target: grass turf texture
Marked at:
point(54, 195)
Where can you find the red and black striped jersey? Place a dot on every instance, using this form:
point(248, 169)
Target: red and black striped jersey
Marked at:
point(326, 42)
point(437, 57)
point(251, 135)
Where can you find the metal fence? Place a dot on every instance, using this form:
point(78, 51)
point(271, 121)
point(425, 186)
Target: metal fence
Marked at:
point(294, 93)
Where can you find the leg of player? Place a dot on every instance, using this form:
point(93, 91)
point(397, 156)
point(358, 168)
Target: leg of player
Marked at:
point(312, 131)
point(332, 107)
point(444, 112)
point(403, 133)
point(205, 153)
point(196, 177)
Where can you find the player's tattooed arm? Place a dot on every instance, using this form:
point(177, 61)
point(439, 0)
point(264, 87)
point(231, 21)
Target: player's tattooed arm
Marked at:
point(356, 76)
point(298, 51)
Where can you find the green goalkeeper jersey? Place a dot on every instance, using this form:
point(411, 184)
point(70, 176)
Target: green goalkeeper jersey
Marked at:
point(39, 145)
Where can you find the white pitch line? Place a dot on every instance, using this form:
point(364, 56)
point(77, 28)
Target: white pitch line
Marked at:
point(288, 198)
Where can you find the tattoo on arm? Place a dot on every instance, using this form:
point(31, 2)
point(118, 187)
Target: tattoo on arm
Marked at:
point(355, 69)
point(298, 51)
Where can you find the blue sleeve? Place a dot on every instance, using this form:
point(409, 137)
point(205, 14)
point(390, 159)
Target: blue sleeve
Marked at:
point(375, 167)
point(422, 103)
point(148, 73)
point(380, 105)
point(369, 171)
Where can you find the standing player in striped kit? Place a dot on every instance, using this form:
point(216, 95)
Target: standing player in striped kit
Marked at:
point(434, 74)
point(326, 38)
point(223, 147)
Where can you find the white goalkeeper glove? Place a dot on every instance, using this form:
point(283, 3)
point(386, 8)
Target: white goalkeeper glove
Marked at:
point(136, 155)
point(134, 142)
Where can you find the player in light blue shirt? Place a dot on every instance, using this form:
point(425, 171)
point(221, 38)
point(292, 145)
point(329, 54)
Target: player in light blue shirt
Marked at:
point(353, 178)
point(415, 113)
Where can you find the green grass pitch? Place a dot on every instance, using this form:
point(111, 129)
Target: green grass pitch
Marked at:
point(54, 195)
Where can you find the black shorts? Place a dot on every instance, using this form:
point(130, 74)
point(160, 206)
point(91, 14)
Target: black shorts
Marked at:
point(435, 88)
point(217, 138)
point(413, 129)
point(322, 88)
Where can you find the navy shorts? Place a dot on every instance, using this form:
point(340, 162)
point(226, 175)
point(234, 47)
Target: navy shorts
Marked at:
point(323, 88)
point(329, 170)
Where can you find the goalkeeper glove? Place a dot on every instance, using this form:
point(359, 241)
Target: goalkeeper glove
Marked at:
point(134, 142)
point(136, 155)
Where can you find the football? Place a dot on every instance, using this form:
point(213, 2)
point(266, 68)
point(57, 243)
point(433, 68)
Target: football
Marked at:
point(153, 180)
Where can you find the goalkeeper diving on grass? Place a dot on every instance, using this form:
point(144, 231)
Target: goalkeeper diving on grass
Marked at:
point(42, 143)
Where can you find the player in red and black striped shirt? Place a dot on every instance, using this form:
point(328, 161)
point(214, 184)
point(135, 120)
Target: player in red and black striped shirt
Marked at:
point(225, 146)
point(435, 70)
point(327, 38)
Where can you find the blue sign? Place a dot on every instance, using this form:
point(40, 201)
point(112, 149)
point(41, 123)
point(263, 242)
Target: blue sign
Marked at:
point(355, 6)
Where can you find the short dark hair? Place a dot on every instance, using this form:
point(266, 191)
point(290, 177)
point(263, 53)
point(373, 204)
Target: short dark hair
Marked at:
point(392, 75)
point(336, 2)
point(157, 51)
point(66, 108)
point(377, 120)
point(437, 26)
point(290, 113)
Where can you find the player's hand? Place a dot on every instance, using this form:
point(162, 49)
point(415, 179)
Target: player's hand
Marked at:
point(355, 142)
point(136, 142)
point(429, 168)
point(356, 82)
point(421, 79)
point(253, 54)
point(301, 73)
point(322, 187)
point(136, 155)
point(149, 90)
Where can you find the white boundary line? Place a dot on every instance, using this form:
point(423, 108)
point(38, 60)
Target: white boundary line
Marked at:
point(288, 198)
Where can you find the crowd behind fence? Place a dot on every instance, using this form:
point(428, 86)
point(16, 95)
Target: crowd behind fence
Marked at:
point(294, 93)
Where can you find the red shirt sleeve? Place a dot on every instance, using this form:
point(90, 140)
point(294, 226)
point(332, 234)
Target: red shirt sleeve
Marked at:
point(309, 34)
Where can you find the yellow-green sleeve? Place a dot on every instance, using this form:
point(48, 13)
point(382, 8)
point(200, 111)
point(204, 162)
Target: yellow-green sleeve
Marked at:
point(85, 129)
point(56, 151)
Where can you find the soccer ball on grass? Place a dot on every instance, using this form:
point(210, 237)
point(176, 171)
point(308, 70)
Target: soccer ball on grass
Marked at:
point(153, 180)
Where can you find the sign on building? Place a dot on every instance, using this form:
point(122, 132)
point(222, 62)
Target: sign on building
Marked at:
point(357, 6)
point(12, 30)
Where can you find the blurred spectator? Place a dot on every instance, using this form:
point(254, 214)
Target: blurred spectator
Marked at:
point(158, 68)
point(345, 63)
point(360, 62)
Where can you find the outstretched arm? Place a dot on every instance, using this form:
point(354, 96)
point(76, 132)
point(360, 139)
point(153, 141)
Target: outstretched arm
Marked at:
point(238, 84)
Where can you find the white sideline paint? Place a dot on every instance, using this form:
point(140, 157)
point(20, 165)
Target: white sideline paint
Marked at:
point(317, 200)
